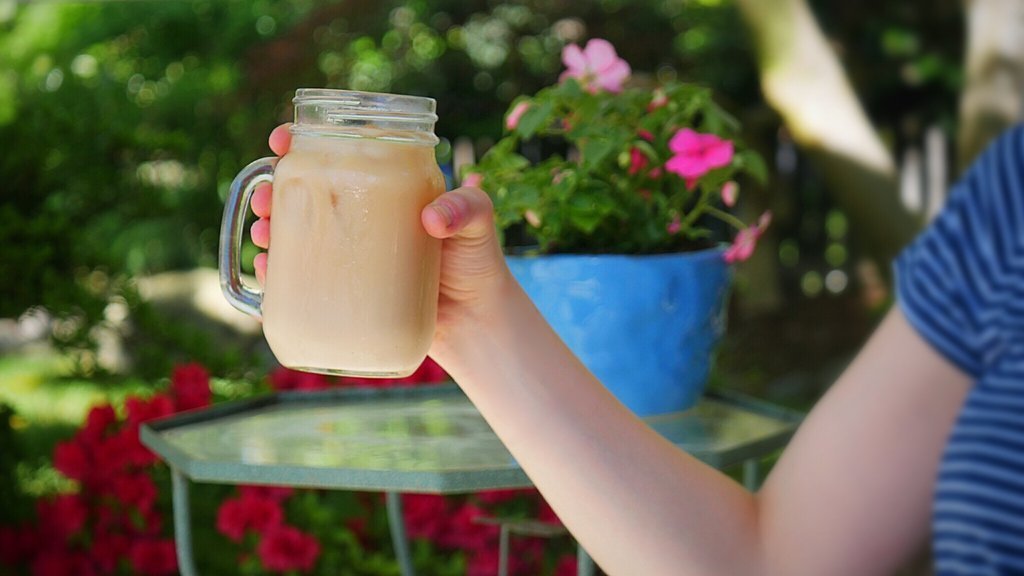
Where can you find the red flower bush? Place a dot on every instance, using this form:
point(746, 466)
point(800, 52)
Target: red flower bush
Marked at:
point(112, 524)
point(111, 521)
point(190, 387)
point(61, 517)
point(285, 548)
point(63, 563)
point(154, 557)
point(255, 513)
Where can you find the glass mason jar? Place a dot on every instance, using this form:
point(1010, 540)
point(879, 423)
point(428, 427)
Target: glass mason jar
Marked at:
point(352, 276)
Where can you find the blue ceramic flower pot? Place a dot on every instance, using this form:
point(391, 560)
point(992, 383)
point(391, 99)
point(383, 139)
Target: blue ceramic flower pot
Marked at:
point(646, 326)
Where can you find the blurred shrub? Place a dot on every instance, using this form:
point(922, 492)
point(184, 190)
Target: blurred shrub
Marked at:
point(123, 123)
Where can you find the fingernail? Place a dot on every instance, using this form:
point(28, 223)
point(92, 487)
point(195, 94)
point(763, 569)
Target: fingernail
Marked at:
point(445, 211)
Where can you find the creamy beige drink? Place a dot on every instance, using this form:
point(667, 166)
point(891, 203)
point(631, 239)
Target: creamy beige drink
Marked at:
point(352, 277)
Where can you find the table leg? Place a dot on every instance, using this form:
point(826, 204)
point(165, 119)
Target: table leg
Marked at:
point(396, 522)
point(584, 563)
point(182, 524)
point(752, 474)
point(503, 543)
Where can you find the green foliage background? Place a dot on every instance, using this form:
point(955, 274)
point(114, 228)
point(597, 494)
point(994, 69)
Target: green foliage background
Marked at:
point(122, 123)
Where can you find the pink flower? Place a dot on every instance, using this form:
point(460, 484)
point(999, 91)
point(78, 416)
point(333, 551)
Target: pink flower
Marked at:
point(473, 180)
point(645, 134)
point(597, 67)
point(674, 226)
point(154, 557)
point(190, 386)
point(512, 120)
point(532, 218)
point(637, 161)
point(730, 190)
point(746, 240)
point(237, 516)
point(284, 548)
point(697, 154)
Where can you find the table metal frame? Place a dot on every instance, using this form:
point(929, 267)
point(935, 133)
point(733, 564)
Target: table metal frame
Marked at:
point(185, 468)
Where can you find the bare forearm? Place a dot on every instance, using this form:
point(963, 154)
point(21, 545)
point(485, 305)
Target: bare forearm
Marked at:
point(636, 502)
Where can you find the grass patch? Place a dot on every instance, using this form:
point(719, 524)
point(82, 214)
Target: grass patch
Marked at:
point(36, 384)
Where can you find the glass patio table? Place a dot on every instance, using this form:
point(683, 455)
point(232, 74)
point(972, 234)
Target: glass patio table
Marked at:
point(428, 439)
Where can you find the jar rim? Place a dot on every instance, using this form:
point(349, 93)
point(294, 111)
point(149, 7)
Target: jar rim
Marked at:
point(369, 101)
point(354, 113)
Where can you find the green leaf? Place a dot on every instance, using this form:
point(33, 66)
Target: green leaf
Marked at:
point(648, 150)
point(536, 116)
point(752, 163)
point(595, 150)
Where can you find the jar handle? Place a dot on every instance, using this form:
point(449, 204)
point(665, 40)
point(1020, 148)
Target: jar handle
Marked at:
point(241, 296)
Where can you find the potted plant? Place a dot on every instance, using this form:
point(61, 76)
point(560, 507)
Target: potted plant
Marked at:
point(629, 222)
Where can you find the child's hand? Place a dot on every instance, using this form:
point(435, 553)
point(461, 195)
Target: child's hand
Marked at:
point(280, 142)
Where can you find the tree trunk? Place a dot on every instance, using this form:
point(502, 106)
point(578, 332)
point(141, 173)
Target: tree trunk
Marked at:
point(804, 81)
point(994, 71)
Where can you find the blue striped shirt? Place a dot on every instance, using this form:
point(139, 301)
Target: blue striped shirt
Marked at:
point(961, 285)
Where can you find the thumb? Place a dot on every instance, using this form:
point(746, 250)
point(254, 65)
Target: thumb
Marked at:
point(464, 213)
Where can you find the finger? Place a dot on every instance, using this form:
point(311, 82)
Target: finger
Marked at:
point(261, 200)
point(464, 212)
point(260, 232)
point(260, 264)
point(281, 139)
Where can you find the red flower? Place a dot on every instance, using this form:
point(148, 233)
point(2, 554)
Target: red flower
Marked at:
point(108, 549)
point(141, 410)
point(71, 459)
point(62, 563)
point(637, 161)
point(190, 386)
point(424, 515)
point(135, 490)
point(466, 532)
point(153, 557)
point(239, 515)
point(62, 516)
point(485, 562)
point(124, 450)
point(286, 379)
point(547, 514)
point(567, 566)
point(495, 497)
point(285, 548)
point(430, 371)
point(17, 544)
point(98, 422)
point(276, 493)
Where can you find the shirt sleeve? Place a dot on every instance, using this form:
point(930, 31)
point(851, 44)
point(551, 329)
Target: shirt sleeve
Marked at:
point(962, 280)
